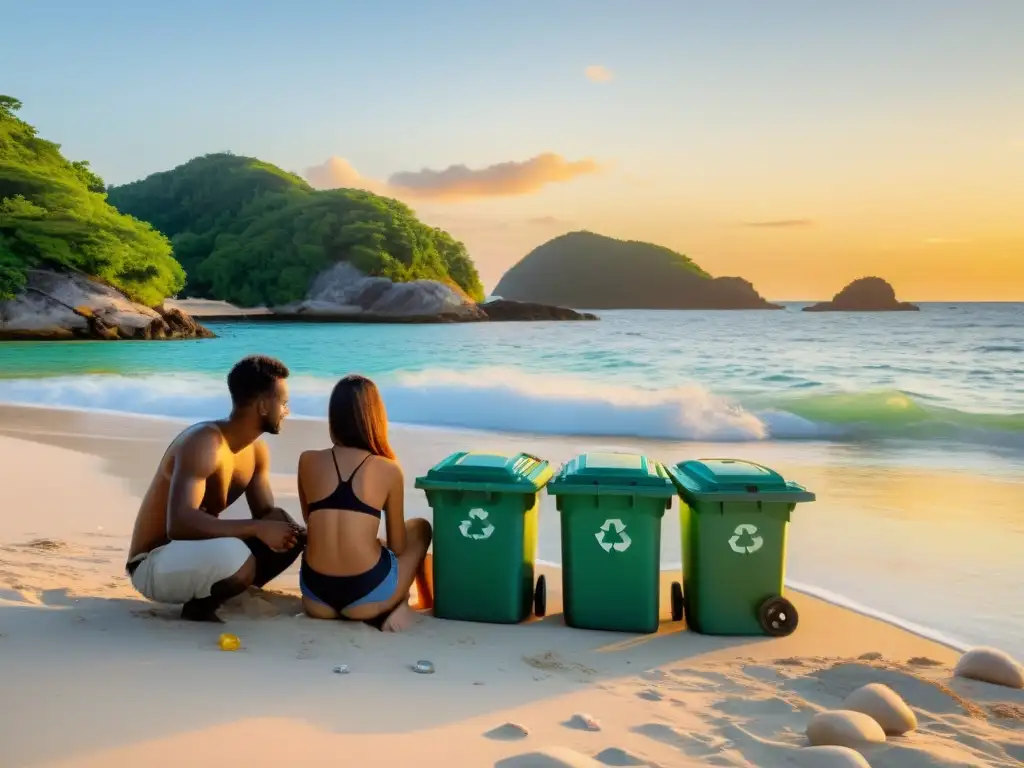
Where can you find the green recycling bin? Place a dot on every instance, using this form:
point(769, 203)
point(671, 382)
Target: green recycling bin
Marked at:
point(611, 505)
point(733, 519)
point(485, 535)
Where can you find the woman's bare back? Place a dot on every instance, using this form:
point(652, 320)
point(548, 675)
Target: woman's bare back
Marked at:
point(343, 542)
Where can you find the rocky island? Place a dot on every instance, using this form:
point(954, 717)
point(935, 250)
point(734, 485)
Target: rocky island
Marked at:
point(866, 294)
point(583, 269)
point(72, 266)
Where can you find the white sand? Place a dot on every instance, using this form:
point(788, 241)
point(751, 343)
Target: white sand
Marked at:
point(212, 308)
point(95, 676)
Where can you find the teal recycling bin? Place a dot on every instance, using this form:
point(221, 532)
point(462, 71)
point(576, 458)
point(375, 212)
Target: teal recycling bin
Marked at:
point(734, 519)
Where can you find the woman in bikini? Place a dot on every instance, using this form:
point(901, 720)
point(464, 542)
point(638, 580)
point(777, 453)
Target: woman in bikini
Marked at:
point(347, 571)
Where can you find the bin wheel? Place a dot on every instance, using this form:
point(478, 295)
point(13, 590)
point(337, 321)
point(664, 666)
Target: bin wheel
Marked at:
point(778, 617)
point(540, 597)
point(678, 603)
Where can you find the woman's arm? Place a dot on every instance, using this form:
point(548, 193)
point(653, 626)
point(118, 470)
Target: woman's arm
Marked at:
point(394, 511)
point(299, 473)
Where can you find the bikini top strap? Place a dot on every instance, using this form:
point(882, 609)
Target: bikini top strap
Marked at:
point(336, 468)
point(358, 467)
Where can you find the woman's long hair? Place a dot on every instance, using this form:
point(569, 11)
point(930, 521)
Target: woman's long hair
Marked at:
point(357, 417)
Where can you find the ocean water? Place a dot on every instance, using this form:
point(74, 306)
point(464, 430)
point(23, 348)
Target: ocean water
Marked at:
point(909, 426)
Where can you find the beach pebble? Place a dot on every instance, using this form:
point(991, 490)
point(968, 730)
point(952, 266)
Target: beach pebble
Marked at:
point(584, 722)
point(829, 757)
point(423, 667)
point(843, 728)
point(341, 669)
point(883, 705)
point(508, 732)
point(990, 665)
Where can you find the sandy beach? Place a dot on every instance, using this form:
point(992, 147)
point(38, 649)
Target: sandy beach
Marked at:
point(96, 676)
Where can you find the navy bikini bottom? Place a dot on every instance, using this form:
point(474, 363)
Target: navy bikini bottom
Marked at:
point(376, 585)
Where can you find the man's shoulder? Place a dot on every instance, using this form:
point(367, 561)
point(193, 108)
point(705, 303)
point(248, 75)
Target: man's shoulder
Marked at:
point(202, 441)
point(201, 433)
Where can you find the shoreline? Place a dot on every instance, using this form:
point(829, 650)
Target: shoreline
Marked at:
point(47, 413)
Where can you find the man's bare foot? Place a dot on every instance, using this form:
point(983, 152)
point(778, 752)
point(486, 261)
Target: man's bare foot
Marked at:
point(400, 619)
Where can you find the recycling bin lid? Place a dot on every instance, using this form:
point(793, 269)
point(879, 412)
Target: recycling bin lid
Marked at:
point(517, 472)
point(612, 472)
point(735, 480)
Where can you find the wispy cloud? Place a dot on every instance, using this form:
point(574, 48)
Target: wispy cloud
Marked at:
point(779, 223)
point(597, 73)
point(457, 182)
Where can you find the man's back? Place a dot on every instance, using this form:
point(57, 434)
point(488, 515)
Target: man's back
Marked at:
point(232, 474)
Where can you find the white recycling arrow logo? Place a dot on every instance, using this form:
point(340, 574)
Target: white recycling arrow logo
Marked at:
point(485, 529)
point(746, 529)
point(620, 532)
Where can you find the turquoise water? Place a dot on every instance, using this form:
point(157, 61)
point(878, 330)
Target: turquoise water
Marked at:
point(950, 372)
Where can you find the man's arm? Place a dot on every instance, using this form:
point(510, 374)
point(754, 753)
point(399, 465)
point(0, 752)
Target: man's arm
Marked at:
point(259, 494)
point(196, 461)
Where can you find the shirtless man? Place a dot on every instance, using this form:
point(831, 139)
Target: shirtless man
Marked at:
point(181, 551)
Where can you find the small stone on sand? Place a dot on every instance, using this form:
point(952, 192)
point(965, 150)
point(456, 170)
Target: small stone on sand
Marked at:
point(844, 728)
point(583, 722)
point(341, 669)
point(883, 705)
point(990, 665)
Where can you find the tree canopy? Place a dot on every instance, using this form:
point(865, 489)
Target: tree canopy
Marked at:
point(250, 233)
point(54, 214)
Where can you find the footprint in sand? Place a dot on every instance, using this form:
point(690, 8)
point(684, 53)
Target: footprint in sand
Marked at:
point(690, 744)
point(751, 707)
point(46, 545)
point(651, 695)
point(699, 680)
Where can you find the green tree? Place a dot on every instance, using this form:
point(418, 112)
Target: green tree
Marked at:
point(250, 233)
point(54, 214)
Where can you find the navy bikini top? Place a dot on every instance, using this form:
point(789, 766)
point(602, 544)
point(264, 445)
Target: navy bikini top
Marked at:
point(344, 497)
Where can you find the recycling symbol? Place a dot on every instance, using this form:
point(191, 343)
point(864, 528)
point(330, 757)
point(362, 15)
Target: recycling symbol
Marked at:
point(749, 531)
point(477, 526)
point(612, 535)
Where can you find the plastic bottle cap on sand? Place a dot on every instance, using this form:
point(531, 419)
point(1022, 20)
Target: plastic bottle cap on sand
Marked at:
point(229, 642)
point(423, 667)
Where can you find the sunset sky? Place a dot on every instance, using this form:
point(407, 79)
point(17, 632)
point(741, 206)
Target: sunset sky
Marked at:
point(798, 144)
